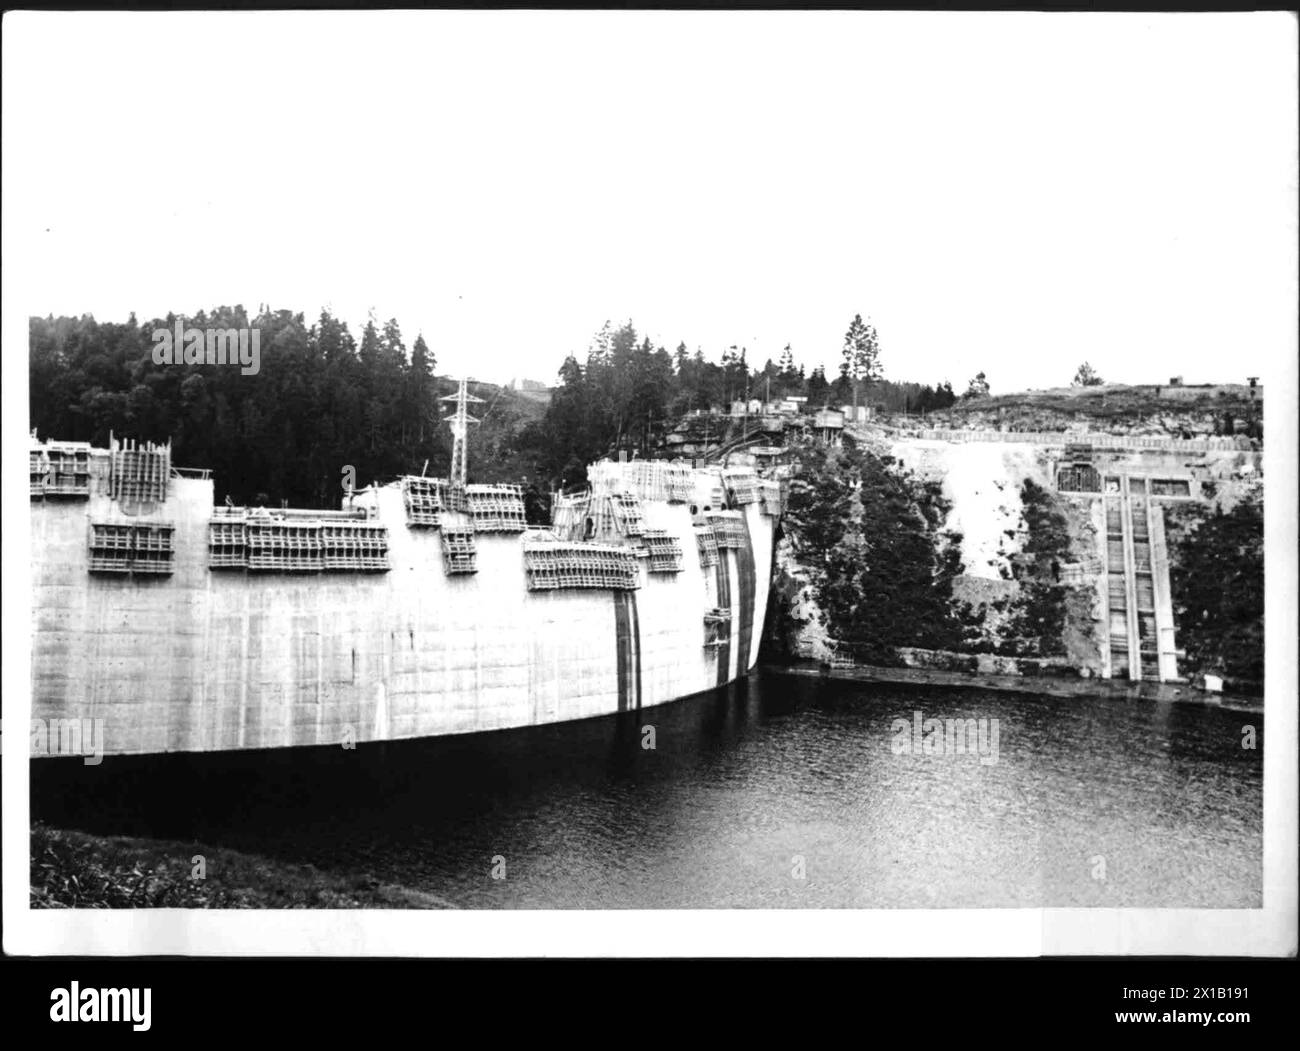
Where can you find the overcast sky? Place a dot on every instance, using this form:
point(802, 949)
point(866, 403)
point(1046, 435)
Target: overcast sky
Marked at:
point(1013, 193)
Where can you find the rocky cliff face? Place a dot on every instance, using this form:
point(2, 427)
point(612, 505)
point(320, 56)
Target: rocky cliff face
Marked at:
point(1029, 589)
point(998, 571)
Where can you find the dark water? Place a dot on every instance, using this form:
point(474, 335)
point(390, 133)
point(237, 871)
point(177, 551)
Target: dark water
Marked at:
point(745, 788)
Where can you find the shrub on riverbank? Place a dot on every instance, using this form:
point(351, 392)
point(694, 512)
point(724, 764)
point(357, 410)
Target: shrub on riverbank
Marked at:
point(1217, 580)
point(1042, 610)
point(870, 535)
point(76, 870)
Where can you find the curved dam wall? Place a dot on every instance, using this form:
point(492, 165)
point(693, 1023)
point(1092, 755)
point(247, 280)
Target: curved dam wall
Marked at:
point(212, 660)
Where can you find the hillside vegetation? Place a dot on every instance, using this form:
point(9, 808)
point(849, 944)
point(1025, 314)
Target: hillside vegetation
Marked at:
point(320, 402)
point(885, 567)
point(1185, 412)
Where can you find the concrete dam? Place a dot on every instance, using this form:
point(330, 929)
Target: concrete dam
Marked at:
point(422, 607)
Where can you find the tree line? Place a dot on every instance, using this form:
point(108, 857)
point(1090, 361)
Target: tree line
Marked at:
point(626, 391)
point(324, 399)
point(321, 400)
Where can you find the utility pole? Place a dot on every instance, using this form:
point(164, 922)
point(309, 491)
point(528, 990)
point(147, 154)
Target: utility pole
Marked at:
point(744, 417)
point(459, 421)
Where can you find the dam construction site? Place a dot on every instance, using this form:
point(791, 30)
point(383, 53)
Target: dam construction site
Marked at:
point(427, 606)
point(1044, 510)
point(314, 698)
point(419, 608)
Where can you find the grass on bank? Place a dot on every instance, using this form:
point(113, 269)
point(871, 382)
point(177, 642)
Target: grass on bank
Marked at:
point(76, 870)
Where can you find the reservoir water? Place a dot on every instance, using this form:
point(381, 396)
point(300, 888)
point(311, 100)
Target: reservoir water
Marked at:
point(780, 791)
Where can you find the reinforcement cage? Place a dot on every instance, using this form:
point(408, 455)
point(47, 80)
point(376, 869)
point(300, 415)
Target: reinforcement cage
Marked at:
point(496, 508)
point(568, 564)
point(665, 551)
point(728, 528)
point(139, 474)
point(146, 548)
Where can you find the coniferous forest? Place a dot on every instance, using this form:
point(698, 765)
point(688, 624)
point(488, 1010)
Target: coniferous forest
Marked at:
point(324, 399)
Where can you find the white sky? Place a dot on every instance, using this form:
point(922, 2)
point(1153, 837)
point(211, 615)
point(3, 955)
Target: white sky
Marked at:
point(1012, 193)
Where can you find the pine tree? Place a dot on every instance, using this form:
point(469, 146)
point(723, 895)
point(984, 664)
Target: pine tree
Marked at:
point(420, 402)
point(861, 354)
point(818, 388)
point(790, 378)
point(680, 358)
point(1086, 376)
point(370, 343)
point(978, 388)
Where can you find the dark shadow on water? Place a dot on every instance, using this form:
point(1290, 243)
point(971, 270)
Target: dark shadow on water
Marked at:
point(738, 781)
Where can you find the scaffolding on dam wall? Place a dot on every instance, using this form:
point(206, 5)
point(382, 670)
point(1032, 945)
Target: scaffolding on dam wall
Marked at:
point(728, 528)
point(669, 482)
point(288, 542)
point(664, 551)
point(552, 565)
point(503, 625)
point(707, 546)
